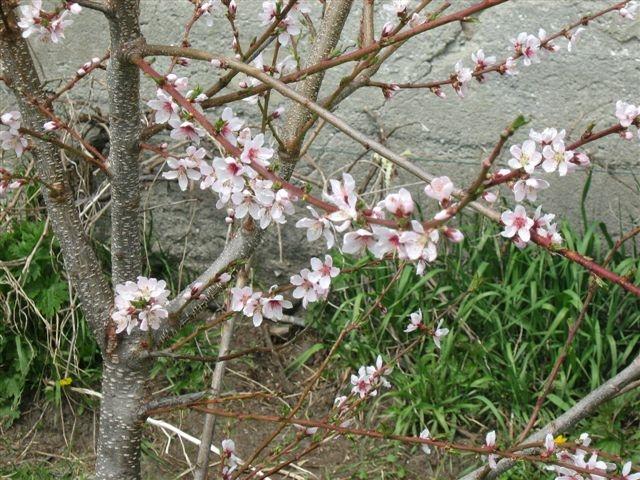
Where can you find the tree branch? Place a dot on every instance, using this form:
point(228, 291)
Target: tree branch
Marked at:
point(98, 5)
point(80, 260)
point(585, 407)
point(123, 80)
point(381, 149)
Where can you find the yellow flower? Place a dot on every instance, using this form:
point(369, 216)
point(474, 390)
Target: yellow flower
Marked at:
point(63, 382)
point(560, 439)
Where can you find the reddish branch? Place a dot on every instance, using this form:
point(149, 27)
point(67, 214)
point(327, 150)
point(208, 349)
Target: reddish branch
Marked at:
point(369, 50)
point(206, 124)
point(74, 81)
point(403, 438)
point(499, 67)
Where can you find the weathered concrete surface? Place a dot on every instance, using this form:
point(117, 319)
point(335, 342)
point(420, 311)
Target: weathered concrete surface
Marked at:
point(566, 90)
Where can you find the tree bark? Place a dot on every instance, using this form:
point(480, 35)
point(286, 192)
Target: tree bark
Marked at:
point(81, 262)
point(297, 115)
point(124, 375)
point(123, 80)
point(123, 390)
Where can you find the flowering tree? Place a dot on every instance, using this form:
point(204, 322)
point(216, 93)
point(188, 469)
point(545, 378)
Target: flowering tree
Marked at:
point(249, 173)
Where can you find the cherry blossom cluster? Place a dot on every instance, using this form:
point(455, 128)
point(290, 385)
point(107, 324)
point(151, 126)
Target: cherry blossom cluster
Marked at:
point(47, 26)
point(416, 323)
point(309, 286)
point(228, 458)
point(413, 243)
point(258, 305)
point(238, 186)
point(398, 9)
point(628, 114)
point(10, 135)
point(313, 285)
point(528, 47)
point(370, 379)
point(582, 458)
point(140, 304)
point(544, 150)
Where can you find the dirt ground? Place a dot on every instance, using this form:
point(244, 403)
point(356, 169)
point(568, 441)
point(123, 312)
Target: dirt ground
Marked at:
point(59, 442)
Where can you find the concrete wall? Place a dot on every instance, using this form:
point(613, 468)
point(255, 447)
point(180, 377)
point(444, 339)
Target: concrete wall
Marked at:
point(566, 90)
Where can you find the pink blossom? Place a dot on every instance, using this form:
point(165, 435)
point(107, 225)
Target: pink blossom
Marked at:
point(288, 27)
point(206, 10)
point(626, 113)
point(509, 67)
point(12, 119)
point(387, 241)
point(195, 289)
point(453, 234)
point(208, 175)
point(547, 136)
point(317, 227)
point(164, 106)
point(415, 322)
point(543, 226)
point(550, 46)
point(438, 333)
point(397, 7)
point(439, 189)
point(517, 224)
point(387, 28)
point(626, 473)
point(528, 46)
point(525, 156)
point(272, 307)
point(549, 444)
point(179, 83)
point(358, 241)
point(151, 317)
point(490, 443)
point(12, 140)
point(255, 152)
point(240, 297)
point(481, 61)
point(230, 169)
point(557, 158)
point(7, 185)
point(362, 383)
point(628, 10)
point(463, 76)
point(529, 188)
point(196, 155)
point(282, 205)
point(30, 21)
point(228, 125)
point(400, 204)
point(489, 197)
point(185, 131)
point(323, 272)
point(183, 170)
point(144, 301)
point(306, 289)
point(343, 196)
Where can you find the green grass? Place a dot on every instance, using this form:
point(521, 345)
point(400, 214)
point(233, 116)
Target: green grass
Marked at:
point(509, 314)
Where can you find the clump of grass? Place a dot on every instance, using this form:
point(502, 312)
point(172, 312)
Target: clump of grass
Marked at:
point(509, 312)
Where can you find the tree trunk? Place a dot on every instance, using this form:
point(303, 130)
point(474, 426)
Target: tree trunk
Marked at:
point(121, 421)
